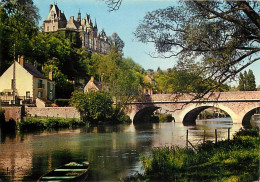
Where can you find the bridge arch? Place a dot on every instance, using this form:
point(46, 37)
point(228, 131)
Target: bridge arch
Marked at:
point(141, 114)
point(189, 114)
point(249, 114)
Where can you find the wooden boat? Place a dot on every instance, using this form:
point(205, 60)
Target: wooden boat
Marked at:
point(72, 171)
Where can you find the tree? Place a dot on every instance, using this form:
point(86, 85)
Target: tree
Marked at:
point(247, 81)
point(63, 87)
point(94, 106)
point(116, 42)
point(220, 37)
point(18, 24)
point(251, 85)
point(241, 85)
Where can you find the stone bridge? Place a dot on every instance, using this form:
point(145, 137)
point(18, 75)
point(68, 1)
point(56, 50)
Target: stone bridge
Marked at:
point(184, 108)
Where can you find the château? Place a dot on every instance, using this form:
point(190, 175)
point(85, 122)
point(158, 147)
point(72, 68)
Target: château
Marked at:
point(91, 39)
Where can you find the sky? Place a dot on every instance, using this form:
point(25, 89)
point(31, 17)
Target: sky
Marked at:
point(124, 22)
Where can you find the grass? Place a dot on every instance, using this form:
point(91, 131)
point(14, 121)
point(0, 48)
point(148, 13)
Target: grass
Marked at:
point(41, 123)
point(234, 160)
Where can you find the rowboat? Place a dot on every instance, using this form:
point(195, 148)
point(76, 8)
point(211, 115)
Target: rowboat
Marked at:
point(72, 171)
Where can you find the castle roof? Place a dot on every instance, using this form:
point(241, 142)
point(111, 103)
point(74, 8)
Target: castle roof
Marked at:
point(72, 24)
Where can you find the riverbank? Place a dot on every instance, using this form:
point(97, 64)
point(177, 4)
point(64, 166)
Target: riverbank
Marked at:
point(234, 160)
point(41, 123)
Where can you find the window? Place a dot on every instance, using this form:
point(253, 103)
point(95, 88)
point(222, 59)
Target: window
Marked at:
point(40, 84)
point(50, 96)
point(53, 28)
point(40, 94)
point(48, 29)
point(51, 86)
point(27, 94)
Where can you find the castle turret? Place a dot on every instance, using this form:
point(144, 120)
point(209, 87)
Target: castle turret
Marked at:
point(79, 16)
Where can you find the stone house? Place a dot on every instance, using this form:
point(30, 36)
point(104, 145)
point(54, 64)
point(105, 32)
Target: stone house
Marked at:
point(149, 84)
point(22, 81)
point(91, 39)
point(92, 85)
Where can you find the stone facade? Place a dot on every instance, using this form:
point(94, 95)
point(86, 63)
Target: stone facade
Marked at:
point(91, 39)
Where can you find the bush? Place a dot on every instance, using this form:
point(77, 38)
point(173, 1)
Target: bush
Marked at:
point(62, 102)
point(48, 123)
point(165, 118)
point(31, 124)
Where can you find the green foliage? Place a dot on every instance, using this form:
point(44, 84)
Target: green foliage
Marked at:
point(63, 87)
point(32, 124)
point(185, 81)
point(229, 158)
point(18, 24)
point(62, 102)
point(94, 106)
point(165, 118)
point(247, 81)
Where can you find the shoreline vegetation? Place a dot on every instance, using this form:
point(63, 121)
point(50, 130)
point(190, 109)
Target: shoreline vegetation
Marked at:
point(228, 160)
point(42, 123)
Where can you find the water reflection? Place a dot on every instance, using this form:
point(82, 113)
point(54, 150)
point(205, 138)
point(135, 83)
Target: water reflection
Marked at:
point(113, 151)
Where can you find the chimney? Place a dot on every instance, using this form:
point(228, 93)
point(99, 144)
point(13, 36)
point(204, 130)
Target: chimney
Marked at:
point(92, 79)
point(18, 60)
point(35, 64)
point(51, 6)
point(72, 18)
point(50, 74)
point(21, 60)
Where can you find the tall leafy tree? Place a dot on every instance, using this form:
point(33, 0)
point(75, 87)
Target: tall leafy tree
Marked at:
point(247, 81)
point(220, 37)
point(94, 106)
point(116, 42)
point(251, 81)
point(18, 24)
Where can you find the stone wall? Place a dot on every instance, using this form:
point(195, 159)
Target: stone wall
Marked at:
point(13, 112)
point(62, 112)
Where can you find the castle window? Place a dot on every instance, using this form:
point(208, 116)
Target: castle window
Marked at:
point(89, 43)
point(48, 29)
point(53, 28)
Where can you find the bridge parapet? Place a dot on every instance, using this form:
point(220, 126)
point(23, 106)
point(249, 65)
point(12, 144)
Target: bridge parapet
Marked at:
point(215, 96)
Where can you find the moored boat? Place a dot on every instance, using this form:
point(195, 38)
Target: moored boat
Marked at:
point(72, 171)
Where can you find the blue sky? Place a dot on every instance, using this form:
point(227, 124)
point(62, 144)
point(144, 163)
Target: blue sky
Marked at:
point(124, 22)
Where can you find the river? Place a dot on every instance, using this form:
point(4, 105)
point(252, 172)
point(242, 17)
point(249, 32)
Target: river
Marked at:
point(113, 151)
